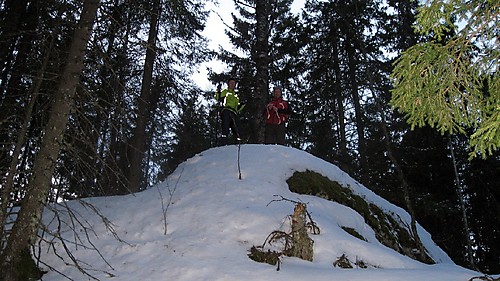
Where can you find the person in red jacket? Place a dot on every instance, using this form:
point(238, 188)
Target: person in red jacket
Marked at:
point(276, 114)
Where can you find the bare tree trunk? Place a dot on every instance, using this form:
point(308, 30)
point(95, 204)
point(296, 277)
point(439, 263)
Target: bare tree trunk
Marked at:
point(261, 58)
point(14, 15)
point(399, 171)
point(112, 178)
point(405, 187)
point(397, 166)
point(9, 181)
point(460, 196)
point(302, 244)
point(144, 107)
point(24, 231)
point(345, 162)
point(360, 126)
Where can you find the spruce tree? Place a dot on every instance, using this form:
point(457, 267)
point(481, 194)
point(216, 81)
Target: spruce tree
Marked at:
point(453, 83)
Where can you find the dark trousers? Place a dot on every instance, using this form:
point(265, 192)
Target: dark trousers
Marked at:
point(275, 134)
point(229, 120)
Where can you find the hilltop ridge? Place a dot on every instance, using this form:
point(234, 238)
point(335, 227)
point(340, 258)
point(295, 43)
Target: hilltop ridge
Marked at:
point(202, 221)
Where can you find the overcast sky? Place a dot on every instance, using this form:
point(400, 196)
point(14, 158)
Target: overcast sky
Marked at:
point(215, 31)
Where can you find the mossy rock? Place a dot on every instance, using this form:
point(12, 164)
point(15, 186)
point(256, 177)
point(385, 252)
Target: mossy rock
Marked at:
point(270, 257)
point(387, 230)
point(353, 232)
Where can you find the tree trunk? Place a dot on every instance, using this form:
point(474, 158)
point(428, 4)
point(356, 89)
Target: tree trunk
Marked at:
point(404, 184)
point(144, 107)
point(360, 126)
point(261, 59)
point(9, 181)
point(344, 160)
point(24, 231)
point(302, 244)
point(13, 24)
point(113, 180)
point(461, 196)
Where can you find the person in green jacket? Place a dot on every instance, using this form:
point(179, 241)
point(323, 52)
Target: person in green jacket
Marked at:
point(231, 107)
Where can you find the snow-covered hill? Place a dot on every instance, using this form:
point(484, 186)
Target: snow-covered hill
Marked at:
point(201, 223)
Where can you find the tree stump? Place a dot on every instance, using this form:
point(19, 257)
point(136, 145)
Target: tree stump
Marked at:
point(302, 245)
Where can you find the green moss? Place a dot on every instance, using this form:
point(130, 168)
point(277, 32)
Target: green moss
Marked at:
point(353, 232)
point(270, 257)
point(387, 230)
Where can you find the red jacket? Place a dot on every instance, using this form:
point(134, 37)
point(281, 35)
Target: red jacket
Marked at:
point(280, 114)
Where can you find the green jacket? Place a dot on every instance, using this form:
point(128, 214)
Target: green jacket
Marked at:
point(230, 100)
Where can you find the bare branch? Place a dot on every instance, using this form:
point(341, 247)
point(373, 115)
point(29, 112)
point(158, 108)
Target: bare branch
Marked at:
point(81, 230)
point(165, 208)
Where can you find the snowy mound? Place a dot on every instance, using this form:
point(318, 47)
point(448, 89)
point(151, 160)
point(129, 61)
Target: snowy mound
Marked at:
point(202, 221)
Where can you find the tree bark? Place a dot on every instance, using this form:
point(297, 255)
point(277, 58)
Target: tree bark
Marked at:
point(9, 181)
point(344, 160)
point(15, 15)
point(24, 231)
point(144, 108)
point(461, 196)
point(261, 59)
point(302, 244)
point(404, 184)
point(360, 126)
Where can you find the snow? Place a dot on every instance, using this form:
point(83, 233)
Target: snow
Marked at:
point(212, 219)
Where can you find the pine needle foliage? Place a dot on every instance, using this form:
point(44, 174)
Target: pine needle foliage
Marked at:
point(451, 82)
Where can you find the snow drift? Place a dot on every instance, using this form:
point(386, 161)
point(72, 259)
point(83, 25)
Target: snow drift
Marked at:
point(201, 222)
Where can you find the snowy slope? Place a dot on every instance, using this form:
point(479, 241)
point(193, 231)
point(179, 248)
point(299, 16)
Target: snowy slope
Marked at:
point(212, 219)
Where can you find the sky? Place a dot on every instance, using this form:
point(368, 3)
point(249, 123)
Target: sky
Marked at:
point(215, 31)
point(201, 222)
